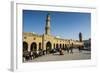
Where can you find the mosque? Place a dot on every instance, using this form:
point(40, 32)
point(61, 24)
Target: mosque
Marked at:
point(46, 42)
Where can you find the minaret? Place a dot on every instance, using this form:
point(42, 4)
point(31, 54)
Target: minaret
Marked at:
point(47, 28)
point(80, 37)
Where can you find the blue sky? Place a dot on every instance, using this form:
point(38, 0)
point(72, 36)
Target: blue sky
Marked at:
point(64, 24)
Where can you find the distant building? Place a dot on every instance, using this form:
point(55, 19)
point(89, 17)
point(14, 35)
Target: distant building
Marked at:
point(87, 43)
point(34, 42)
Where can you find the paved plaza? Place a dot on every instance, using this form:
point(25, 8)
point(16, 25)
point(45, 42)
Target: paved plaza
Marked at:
point(83, 55)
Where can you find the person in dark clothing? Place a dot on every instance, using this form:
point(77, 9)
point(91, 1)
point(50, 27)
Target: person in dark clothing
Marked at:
point(61, 52)
point(67, 49)
point(79, 48)
point(71, 49)
point(44, 52)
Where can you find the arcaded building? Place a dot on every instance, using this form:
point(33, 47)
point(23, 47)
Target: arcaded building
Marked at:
point(36, 42)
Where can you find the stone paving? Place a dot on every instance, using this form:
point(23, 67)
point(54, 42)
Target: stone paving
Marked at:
point(67, 56)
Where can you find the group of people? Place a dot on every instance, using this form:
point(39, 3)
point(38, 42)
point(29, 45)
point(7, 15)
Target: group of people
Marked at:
point(34, 54)
point(69, 50)
point(61, 52)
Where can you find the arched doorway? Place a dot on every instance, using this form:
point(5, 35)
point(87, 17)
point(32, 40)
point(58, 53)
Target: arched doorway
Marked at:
point(40, 45)
point(63, 46)
point(60, 46)
point(25, 46)
point(33, 46)
point(56, 45)
point(48, 47)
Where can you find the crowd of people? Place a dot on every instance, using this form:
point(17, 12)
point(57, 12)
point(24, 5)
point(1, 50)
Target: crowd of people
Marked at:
point(35, 54)
point(30, 55)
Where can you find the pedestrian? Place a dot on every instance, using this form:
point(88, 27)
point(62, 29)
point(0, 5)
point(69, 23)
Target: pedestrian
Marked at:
point(67, 49)
point(71, 49)
point(61, 51)
point(79, 48)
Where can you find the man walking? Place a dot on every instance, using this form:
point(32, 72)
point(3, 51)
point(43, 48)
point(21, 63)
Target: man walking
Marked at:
point(71, 49)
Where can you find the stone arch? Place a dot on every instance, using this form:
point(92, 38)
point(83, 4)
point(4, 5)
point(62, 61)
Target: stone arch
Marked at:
point(33, 46)
point(57, 45)
point(60, 45)
point(48, 47)
point(40, 45)
point(63, 46)
point(25, 46)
